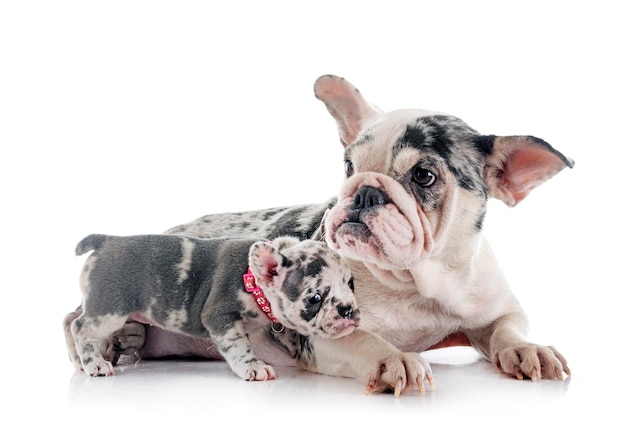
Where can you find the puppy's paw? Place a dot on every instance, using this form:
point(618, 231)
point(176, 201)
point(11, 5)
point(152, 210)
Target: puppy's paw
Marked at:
point(257, 371)
point(107, 350)
point(125, 341)
point(531, 361)
point(98, 367)
point(401, 372)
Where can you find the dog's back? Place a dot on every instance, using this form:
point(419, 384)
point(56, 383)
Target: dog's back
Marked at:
point(166, 274)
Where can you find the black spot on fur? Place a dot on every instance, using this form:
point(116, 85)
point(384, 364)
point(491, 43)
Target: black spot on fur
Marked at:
point(484, 144)
point(365, 138)
point(305, 354)
point(452, 140)
point(270, 213)
point(291, 221)
point(427, 134)
point(314, 268)
point(478, 226)
point(292, 286)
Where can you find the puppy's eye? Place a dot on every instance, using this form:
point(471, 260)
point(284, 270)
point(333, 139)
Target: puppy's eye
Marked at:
point(423, 177)
point(351, 283)
point(315, 299)
point(349, 167)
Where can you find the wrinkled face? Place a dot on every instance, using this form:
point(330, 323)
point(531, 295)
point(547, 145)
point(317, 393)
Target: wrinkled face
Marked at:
point(410, 176)
point(317, 294)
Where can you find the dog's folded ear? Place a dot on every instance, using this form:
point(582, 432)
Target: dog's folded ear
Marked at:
point(346, 104)
point(515, 165)
point(267, 264)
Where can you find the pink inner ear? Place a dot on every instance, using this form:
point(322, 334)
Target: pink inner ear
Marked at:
point(271, 271)
point(527, 168)
point(518, 164)
point(269, 266)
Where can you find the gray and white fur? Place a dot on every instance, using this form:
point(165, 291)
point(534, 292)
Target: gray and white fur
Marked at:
point(195, 287)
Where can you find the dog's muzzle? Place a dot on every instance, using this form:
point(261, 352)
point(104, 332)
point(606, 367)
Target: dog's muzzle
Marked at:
point(345, 311)
point(364, 200)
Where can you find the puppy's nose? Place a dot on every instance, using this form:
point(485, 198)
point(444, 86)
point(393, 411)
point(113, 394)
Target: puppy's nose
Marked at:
point(345, 311)
point(368, 196)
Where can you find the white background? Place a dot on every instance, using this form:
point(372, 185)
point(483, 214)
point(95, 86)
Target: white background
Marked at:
point(132, 117)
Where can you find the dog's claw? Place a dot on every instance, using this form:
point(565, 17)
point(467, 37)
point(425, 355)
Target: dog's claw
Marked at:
point(397, 389)
point(431, 382)
point(420, 385)
point(531, 361)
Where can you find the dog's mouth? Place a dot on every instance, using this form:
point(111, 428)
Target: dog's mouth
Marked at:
point(342, 323)
point(367, 224)
point(340, 328)
point(360, 214)
point(354, 229)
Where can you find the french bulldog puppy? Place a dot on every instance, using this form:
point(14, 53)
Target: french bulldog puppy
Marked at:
point(223, 291)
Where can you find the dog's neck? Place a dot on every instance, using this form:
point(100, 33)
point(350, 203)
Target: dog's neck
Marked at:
point(438, 274)
point(250, 285)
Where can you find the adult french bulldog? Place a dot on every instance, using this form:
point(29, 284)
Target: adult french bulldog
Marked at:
point(223, 291)
point(408, 218)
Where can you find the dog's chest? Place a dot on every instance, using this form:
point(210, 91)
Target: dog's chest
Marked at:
point(409, 320)
point(410, 323)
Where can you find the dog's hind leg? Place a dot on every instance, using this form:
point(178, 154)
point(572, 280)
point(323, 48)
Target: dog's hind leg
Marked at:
point(89, 333)
point(125, 341)
point(69, 338)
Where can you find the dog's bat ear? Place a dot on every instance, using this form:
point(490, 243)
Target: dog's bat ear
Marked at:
point(515, 165)
point(346, 104)
point(267, 264)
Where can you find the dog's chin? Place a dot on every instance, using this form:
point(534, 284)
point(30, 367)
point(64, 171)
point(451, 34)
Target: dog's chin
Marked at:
point(377, 242)
point(342, 329)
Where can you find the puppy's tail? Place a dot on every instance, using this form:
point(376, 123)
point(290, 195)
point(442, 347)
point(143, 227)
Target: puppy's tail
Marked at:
point(91, 242)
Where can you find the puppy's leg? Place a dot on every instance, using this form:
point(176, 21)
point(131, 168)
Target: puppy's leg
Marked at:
point(370, 358)
point(89, 333)
point(235, 347)
point(69, 338)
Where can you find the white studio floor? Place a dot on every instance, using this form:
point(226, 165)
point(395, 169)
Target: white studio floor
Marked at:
point(168, 398)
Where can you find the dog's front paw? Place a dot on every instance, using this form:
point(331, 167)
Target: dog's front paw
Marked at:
point(532, 361)
point(98, 367)
point(400, 372)
point(256, 371)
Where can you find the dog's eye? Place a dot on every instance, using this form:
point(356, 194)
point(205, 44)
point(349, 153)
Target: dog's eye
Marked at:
point(315, 299)
point(423, 177)
point(349, 166)
point(351, 283)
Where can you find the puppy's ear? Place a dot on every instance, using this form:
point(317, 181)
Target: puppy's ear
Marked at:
point(346, 104)
point(515, 165)
point(267, 264)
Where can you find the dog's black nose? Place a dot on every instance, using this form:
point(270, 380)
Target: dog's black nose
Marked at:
point(345, 311)
point(368, 196)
